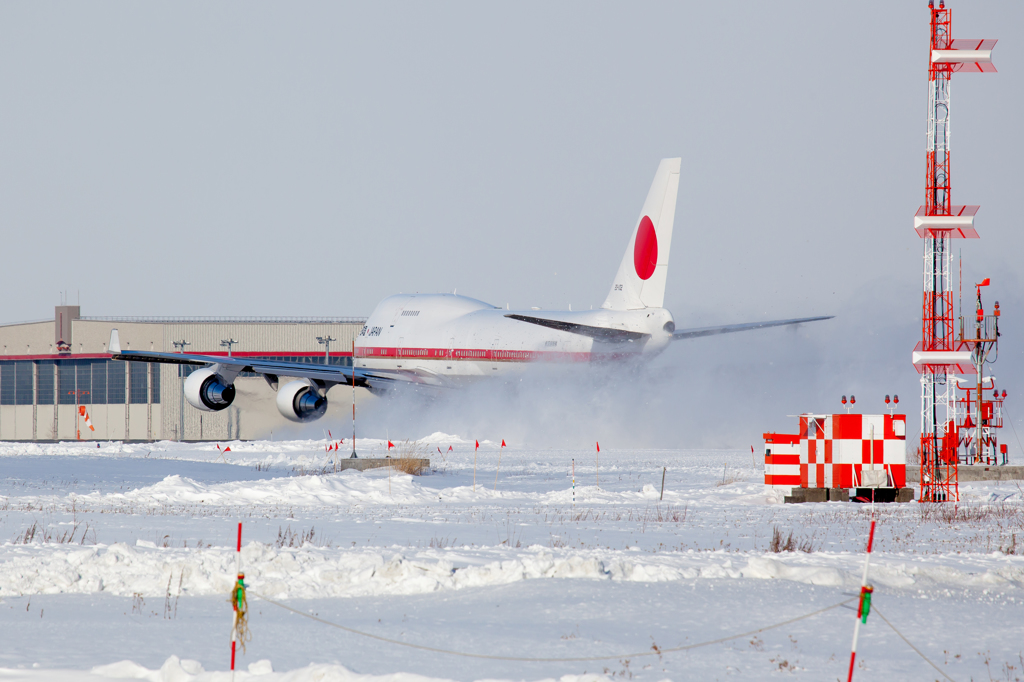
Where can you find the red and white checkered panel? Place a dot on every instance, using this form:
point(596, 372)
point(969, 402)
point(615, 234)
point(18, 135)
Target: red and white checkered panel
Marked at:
point(781, 461)
point(834, 449)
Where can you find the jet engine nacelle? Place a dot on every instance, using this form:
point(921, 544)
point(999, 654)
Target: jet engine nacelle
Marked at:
point(298, 402)
point(205, 390)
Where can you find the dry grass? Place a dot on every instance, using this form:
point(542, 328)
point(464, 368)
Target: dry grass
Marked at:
point(286, 537)
point(38, 533)
point(1012, 547)
point(409, 457)
point(302, 470)
point(790, 544)
point(951, 513)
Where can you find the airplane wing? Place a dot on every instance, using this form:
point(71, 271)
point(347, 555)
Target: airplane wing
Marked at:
point(596, 333)
point(269, 369)
point(729, 328)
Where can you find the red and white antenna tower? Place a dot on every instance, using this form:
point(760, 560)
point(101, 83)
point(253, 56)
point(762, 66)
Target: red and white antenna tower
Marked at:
point(938, 357)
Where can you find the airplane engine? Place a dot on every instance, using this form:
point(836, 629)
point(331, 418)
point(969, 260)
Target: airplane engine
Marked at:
point(205, 390)
point(298, 402)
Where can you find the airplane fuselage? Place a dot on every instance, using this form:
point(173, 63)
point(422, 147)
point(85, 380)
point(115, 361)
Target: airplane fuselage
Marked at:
point(446, 338)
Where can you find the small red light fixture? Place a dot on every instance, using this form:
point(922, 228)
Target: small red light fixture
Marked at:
point(887, 399)
point(844, 400)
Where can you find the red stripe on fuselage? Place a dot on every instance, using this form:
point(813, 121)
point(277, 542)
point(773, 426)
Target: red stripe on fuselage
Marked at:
point(483, 354)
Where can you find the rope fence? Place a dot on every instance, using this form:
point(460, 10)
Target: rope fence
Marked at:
point(570, 659)
point(918, 651)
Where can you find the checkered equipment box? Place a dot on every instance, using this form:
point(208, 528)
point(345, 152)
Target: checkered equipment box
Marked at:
point(831, 451)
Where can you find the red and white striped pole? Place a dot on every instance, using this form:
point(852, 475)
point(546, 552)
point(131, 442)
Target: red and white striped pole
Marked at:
point(234, 601)
point(864, 593)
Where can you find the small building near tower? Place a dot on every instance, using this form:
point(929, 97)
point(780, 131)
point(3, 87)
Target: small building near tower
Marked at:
point(838, 452)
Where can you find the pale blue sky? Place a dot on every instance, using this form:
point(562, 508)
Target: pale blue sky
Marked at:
point(311, 158)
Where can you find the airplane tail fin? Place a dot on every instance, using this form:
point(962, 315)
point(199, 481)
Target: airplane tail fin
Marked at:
point(640, 281)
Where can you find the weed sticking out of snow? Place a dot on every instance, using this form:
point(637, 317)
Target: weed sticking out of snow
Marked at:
point(410, 455)
point(45, 534)
point(790, 544)
point(286, 537)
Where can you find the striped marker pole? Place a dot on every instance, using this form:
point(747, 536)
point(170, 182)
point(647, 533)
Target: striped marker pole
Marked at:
point(865, 595)
point(234, 623)
point(574, 481)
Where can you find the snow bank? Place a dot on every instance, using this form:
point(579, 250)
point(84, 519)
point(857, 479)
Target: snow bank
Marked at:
point(311, 572)
point(177, 669)
point(242, 453)
point(376, 486)
point(346, 488)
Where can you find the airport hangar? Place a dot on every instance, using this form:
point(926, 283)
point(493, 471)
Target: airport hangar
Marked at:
point(49, 368)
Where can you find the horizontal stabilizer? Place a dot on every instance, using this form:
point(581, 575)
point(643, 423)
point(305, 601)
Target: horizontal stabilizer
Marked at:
point(729, 328)
point(596, 333)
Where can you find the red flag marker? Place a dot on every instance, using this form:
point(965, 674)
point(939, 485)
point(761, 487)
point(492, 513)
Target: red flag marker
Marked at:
point(218, 446)
point(450, 449)
point(390, 445)
point(598, 446)
point(502, 442)
point(329, 435)
point(477, 445)
point(227, 449)
point(439, 451)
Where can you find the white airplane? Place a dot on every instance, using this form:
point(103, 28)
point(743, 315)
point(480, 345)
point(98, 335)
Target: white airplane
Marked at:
point(446, 340)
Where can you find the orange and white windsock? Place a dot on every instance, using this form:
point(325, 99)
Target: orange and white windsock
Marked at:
point(85, 415)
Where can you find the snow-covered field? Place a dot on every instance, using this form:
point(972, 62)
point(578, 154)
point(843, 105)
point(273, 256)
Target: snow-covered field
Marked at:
point(117, 560)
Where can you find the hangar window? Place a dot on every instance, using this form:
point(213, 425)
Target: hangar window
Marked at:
point(44, 382)
point(115, 382)
point(154, 383)
point(92, 382)
point(66, 382)
point(84, 385)
point(24, 383)
point(17, 383)
point(138, 382)
point(98, 370)
point(7, 383)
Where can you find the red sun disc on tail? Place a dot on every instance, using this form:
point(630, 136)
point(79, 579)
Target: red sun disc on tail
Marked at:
point(645, 249)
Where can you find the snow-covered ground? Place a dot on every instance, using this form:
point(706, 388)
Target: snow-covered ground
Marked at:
point(117, 561)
